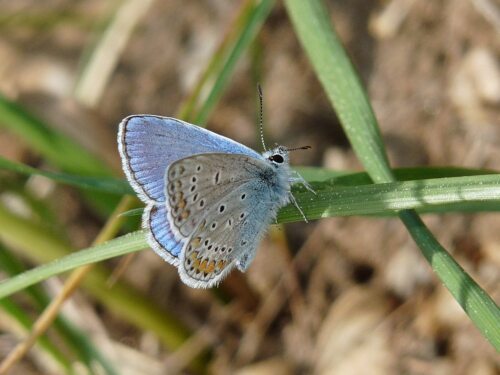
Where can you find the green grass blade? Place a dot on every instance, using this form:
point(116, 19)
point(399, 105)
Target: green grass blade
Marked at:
point(123, 300)
point(104, 184)
point(187, 109)
point(330, 200)
point(60, 150)
point(341, 84)
point(251, 26)
point(349, 178)
point(480, 307)
point(334, 70)
point(74, 339)
point(120, 246)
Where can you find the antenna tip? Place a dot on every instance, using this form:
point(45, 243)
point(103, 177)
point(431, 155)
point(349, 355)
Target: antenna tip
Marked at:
point(299, 148)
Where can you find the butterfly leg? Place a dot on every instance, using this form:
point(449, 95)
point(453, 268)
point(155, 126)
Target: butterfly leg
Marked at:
point(298, 179)
point(294, 201)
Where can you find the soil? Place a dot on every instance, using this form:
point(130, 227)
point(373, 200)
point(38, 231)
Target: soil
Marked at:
point(337, 296)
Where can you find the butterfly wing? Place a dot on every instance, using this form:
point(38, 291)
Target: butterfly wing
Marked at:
point(160, 235)
point(222, 205)
point(149, 144)
point(211, 253)
point(196, 184)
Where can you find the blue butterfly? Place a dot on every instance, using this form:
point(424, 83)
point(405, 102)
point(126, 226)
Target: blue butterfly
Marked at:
point(208, 198)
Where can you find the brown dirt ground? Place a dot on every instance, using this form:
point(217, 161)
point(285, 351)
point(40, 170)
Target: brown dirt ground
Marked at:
point(357, 297)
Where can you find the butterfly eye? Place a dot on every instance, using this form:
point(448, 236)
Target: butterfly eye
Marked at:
point(277, 158)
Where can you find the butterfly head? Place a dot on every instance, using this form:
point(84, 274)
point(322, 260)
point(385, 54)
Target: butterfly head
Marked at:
point(277, 156)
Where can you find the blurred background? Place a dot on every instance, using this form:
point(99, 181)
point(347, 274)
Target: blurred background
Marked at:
point(338, 296)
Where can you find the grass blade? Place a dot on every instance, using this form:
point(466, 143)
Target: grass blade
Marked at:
point(57, 148)
point(342, 86)
point(333, 201)
point(251, 26)
point(120, 246)
point(104, 184)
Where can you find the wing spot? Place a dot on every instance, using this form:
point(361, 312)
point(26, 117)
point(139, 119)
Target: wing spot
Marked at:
point(214, 225)
point(193, 179)
point(206, 242)
point(182, 203)
point(198, 168)
point(195, 243)
point(193, 188)
point(202, 203)
point(242, 215)
point(209, 247)
point(171, 188)
point(230, 250)
point(217, 177)
point(243, 243)
point(195, 197)
point(203, 265)
point(211, 267)
point(243, 196)
point(223, 249)
point(222, 207)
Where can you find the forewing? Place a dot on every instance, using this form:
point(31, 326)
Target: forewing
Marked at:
point(149, 144)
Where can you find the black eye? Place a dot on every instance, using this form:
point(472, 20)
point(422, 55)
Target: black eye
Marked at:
point(277, 158)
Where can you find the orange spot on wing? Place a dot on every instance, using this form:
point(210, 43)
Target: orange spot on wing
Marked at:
point(195, 243)
point(182, 203)
point(211, 267)
point(203, 266)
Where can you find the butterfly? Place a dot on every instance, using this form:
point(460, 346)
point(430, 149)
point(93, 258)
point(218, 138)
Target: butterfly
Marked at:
point(209, 199)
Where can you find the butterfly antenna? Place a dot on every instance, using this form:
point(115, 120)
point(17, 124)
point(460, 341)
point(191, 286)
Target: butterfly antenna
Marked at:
point(299, 148)
point(261, 116)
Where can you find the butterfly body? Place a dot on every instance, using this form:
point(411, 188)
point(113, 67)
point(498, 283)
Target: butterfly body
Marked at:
point(208, 199)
